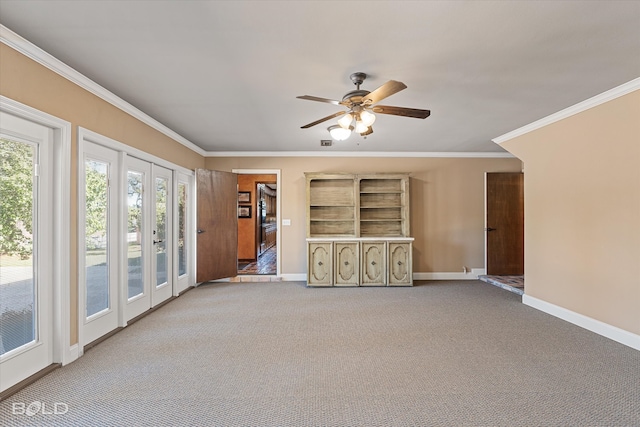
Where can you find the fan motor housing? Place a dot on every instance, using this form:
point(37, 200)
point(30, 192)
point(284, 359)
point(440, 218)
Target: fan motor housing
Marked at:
point(355, 96)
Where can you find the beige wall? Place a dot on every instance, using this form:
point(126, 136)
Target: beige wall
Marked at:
point(447, 203)
point(582, 212)
point(32, 84)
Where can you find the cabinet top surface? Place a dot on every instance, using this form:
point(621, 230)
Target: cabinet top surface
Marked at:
point(360, 239)
point(352, 174)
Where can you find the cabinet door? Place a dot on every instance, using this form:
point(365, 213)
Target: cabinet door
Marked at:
point(400, 271)
point(346, 256)
point(319, 271)
point(373, 257)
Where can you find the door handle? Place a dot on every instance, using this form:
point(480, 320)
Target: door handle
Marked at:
point(489, 229)
point(200, 231)
point(155, 242)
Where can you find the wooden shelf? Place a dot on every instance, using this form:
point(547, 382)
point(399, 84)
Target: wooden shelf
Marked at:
point(369, 201)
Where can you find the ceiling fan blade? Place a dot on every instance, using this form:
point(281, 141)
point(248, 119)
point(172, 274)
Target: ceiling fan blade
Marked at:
point(340, 113)
point(316, 98)
point(401, 111)
point(387, 89)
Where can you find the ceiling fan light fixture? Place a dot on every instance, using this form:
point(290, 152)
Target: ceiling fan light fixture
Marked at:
point(345, 121)
point(339, 133)
point(367, 118)
point(361, 127)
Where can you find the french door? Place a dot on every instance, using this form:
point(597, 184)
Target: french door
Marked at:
point(138, 237)
point(99, 240)
point(148, 236)
point(183, 222)
point(129, 243)
point(161, 235)
point(26, 249)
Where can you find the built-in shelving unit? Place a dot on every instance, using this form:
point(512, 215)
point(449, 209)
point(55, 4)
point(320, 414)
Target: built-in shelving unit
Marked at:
point(358, 218)
point(332, 207)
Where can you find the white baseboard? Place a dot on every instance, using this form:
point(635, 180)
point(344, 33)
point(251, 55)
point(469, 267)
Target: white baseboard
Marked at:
point(612, 332)
point(296, 277)
point(300, 277)
point(71, 354)
point(470, 275)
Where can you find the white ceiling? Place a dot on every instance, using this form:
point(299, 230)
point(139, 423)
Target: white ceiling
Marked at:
point(225, 75)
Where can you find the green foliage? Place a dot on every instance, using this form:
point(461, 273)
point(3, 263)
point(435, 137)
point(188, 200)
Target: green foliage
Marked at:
point(134, 201)
point(16, 198)
point(96, 199)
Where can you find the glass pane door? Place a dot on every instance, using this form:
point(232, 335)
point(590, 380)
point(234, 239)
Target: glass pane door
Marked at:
point(162, 241)
point(182, 224)
point(161, 228)
point(96, 236)
point(135, 232)
point(26, 249)
point(138, 237)
point(18, 284)
point(99, 241)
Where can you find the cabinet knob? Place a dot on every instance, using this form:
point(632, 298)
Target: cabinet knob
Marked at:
point(399, 262)
point(373, 263)
point(319, 262)
point(346, 263)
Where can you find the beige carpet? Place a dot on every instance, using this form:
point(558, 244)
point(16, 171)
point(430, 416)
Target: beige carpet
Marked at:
point(280, 354)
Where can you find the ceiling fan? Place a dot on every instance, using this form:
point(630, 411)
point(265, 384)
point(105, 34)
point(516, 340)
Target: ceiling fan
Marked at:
point(361, 104)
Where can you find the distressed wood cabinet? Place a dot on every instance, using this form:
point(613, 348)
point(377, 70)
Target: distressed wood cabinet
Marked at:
point(374, 264)
point(347, 264)
point(400, 267)
point(366, 219)
point(320, 264)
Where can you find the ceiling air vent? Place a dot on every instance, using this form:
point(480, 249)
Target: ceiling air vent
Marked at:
point(326, 143)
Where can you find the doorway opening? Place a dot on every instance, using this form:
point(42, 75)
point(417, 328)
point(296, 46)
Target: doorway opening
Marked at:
point(258, 223)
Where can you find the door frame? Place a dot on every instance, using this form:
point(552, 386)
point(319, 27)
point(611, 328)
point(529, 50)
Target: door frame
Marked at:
point(277, 173)
point(63, 351)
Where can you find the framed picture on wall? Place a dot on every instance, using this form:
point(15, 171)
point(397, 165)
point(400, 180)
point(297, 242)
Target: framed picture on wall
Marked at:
point(244, 197)
point(244, 211)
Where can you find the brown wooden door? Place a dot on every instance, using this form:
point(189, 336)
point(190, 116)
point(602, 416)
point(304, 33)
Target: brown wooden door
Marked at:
point(505, 223)
point(217, 242)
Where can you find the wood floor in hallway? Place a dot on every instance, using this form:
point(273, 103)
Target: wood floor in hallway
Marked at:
point(266, 264)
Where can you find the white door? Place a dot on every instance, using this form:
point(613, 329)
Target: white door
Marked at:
point(184, 228)
point(98, 241)
point(161, 235)
point(26, 249)
point(138, 237)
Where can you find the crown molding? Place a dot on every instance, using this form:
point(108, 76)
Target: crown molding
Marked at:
point(388, 154)
point(38, 55)
point(609, 95)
